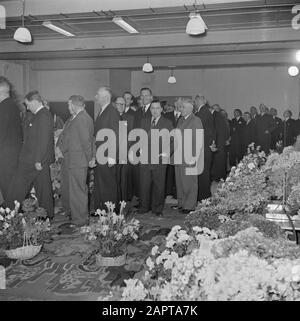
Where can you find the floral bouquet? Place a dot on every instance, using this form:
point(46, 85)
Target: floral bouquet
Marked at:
point(58, 153)
point(16, 226)
point(245, 187)
point(246, 266)
point(111, 231)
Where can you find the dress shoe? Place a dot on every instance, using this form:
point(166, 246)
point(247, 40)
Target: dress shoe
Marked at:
point(184, 211)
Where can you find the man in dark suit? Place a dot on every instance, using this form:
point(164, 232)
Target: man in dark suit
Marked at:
point(125, 170)
point(298, 125)
point(236, 134)
point(106, 178)
point(10, 136)
point(254, 116)
point(219, 161)
point(37, 154)
point(275, 136)
point(265, 126)
point(145, 100)
point(173, 116)
point(153, 175)
point(202, 111)
point(187, 182)
point(288, 130)
point(248, 135)
point(76, 144)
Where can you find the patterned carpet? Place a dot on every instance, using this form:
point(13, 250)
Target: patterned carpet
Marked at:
point(66, 268)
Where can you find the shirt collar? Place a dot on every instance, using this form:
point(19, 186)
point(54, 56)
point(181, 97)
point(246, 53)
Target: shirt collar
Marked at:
point(104, 107)
point(126, 110)
point(186, 117)
point(201, 106)
point(38, 110)
point(74, 116)
point(147, 107)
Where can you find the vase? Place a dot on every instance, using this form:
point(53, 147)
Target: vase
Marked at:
point(110, 261)
point(24, 252)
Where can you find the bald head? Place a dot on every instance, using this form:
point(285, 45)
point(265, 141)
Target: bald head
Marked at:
point(103, 96)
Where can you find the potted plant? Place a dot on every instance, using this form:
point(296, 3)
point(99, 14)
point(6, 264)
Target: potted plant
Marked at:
point(22, 233)
point(112, 233)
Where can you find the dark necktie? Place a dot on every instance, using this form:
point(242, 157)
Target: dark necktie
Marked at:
point(100, 110)
point(153, 123)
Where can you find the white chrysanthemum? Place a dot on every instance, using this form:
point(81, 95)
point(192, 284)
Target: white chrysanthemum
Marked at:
point(154, 250)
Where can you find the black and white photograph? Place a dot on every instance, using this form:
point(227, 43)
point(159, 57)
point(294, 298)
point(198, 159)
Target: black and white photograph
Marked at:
point(149, 153)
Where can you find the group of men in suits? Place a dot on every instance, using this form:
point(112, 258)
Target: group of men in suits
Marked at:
point(264, 129)
point(118, 180)
point(25, 161)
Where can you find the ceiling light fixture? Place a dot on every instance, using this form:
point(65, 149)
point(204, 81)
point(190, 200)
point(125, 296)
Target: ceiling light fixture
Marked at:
point(196, 25)
point(147, 67)
point(124, 25)
point(53, 27)
point(172, 79)
point(23, 34)
point(293, 71)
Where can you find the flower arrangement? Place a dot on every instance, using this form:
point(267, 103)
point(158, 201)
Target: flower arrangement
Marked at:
point(240, 222)
point(245, 187)
point(55, 168)
point(111, 231)
point(15, 225)
point(241, 267)
point(55, 172)
point(250, 187)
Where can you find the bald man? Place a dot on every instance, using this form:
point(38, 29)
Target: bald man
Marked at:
point(106, 177)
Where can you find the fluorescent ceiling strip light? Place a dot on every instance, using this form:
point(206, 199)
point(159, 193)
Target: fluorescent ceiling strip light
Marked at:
point(51, 26)
point(124, 25)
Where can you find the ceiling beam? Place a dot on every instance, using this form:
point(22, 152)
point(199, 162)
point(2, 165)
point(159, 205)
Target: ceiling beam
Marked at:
point(135, 63)
point(257, 37)
point(46, 7)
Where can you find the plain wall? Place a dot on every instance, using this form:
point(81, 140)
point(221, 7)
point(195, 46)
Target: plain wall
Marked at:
point(59, 85)
point(237, 87)
point(14, 72)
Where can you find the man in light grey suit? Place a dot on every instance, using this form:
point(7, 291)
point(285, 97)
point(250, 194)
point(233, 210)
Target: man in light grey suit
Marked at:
point(76, 145)
point(187, 184)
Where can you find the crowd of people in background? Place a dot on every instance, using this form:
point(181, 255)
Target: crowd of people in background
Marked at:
point(27, 151)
